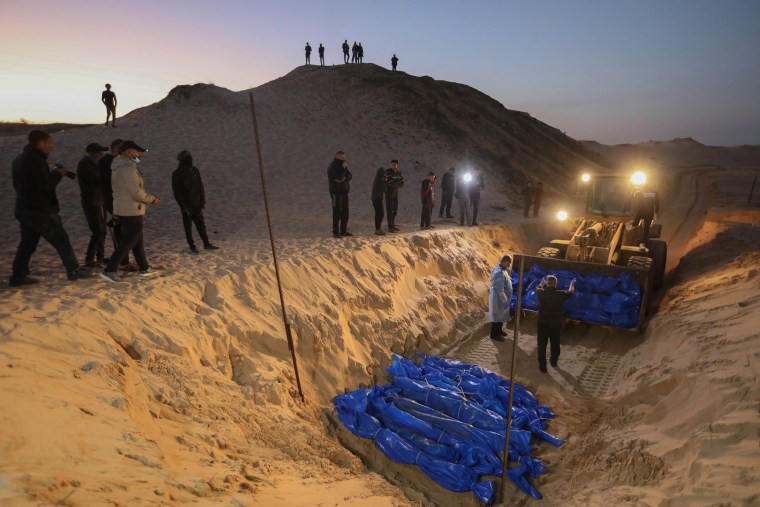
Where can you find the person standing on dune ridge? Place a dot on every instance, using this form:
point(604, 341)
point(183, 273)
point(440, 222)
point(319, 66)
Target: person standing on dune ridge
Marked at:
point(109, 100)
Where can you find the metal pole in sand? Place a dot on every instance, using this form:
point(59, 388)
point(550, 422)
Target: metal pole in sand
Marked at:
point(274, 252)
point(518, 310)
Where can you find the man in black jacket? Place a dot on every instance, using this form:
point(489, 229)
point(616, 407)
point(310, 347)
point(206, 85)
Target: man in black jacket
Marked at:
point(37, 208)
point(394, 181)
point(338, 179)
point(378, 192)
point(91, 191)
point(551, 303)
point(448, 185)
point(191, 197)
point(427, 194)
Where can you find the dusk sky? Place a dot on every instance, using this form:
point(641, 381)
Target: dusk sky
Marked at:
point(615, 71)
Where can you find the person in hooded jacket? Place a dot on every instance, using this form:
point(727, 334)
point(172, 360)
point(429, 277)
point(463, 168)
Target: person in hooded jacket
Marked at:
point(500, 297)
point(191, 197)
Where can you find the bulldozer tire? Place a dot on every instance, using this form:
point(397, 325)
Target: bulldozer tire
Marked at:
point(549, 252)
point(639, 262)
point(658, 249)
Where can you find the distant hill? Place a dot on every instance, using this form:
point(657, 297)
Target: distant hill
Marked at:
point(677, 152)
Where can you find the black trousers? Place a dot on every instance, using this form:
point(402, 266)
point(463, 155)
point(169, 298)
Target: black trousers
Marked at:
point(526, 207)
point(647, 225)
point(34, 226)
point(322, 60)
point(111, 113)
point(427, 210)
point(379, 212)
point(132, 239)
point(497, 329)
point(446, 204)
point(96, 221)
point(548, 332)
point(194, 216)
point(340, 212)
point(391, 208)
point(474, 202)
point(117, 238)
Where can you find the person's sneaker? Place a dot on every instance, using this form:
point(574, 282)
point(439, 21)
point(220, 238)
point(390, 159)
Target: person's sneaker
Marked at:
point(498, 338)
point(346, 234)
point(473, 224)
point(542, 368)
point(193, 250)
point(93, 264)
point(109, 276)
point(210, 247)
point(379, 233)
point(553, 363)
point(147, 273)
point(18, 282)
point(74, 275)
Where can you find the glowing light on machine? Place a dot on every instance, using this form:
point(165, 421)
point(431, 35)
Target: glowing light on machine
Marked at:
point(467, 177)
point(585, 177)
point(638, 178)
point(562, 215)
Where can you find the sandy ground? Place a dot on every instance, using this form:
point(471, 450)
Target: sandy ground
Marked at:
point(181, 390)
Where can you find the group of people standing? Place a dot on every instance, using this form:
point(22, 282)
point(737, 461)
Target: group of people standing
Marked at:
point(111, 185)
point(532, 195)
point(384, 196)
point(351, 53)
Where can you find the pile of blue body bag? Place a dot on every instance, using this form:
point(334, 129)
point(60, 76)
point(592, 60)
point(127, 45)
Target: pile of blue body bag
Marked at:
point(606, 300)
point(449, 419)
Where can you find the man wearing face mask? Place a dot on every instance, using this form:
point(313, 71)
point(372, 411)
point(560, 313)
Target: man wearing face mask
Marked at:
point(191, 197)
point(130, 201)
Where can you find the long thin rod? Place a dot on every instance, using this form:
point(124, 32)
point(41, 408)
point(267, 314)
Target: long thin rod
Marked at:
point(274, 252)
point(518, 311)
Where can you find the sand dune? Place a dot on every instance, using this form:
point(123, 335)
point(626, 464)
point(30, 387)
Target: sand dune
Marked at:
point(181, 389)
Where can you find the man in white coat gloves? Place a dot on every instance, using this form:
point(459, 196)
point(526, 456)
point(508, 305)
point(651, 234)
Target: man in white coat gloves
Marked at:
point(499, 297)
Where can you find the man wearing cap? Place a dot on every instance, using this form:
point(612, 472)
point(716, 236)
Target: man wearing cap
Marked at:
point(105, 182)
point(37, 208)
point(109, 100)
point(500, 297)
point(551, 302)
point(191, 197)
point(427, 193)
point(130, 201)
point(91, 193)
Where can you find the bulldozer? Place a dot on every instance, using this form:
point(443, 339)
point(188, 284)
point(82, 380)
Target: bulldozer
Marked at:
point(605, 241)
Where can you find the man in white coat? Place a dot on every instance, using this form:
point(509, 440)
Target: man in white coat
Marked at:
point(499, 297)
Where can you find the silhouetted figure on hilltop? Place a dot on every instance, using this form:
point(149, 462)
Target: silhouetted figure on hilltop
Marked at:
point(321, 55)
point(394, 62)
point(360, 53)
point(355, 53)
point(308, 54)
point(109, 99)
point(345, 51)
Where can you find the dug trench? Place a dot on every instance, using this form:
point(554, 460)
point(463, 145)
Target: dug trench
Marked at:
point(185, 389)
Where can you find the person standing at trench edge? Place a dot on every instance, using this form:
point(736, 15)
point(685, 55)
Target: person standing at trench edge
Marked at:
point(189, 193)
point(338, 179)
point(500, 297)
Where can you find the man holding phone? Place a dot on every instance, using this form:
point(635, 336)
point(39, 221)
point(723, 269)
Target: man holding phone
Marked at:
point(551, 302)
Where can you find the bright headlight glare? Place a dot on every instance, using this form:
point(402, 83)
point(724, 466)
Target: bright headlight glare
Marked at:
point(586, 177)
point(562, 215)
point(467, 177)
point(638, 178)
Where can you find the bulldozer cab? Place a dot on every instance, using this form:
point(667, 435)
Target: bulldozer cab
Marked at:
point(610, 196)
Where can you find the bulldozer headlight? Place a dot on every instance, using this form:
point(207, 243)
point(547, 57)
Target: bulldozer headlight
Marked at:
point(585, 177)
point(638, 178)
point(562, 215)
